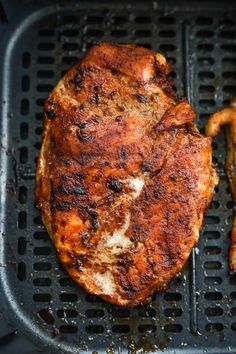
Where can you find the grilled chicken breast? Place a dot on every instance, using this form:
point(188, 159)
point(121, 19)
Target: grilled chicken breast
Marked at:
point(123, 176)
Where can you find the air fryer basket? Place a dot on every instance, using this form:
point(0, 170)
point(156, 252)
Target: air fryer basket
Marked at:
point(41, 308)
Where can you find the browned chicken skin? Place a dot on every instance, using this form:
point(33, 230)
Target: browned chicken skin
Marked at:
point(228, 116)
point(123, 176)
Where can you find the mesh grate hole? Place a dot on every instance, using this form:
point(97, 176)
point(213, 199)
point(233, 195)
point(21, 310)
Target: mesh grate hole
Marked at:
point(167, 34)
point(214, 327)
point(94, 19)
point(173, 328)
point(45, 74)
point(94, 33)
point(94, 329)
point(230, 90)
point(70, 46)
point(142, 33)
point(42, 251)
point(167, 47)
point(166, 20)
point(67, 282)
point(233, 311)
point(24, 130)
point(211, 235)
point(44, 88)
point(206, 89)
point(119, 33)
point(21, 246)
point(24, 109)
point(45, 60)
point(229, 75)
point(145, 45)
point(214, 311)
point(147, 328)
point(233, 295)
point(204, 21)
point(172, 297)
point(68, 329)
point(38, 221)
point(46, 316)
point(229, 61)
point(21, 271)
point(228, 34)
point(42, 297)
point(206, 61)
point(229, 204)
point(210, 220)
point(213, 296)
point(22, 194)
point(46, 46)
point(26, 60)
point(229, 48)
point(39, 116)
point(42, 266)
point(232, 279)
point(120, 329)
point(69, 60)
point(67, 313)
point(66, 297)
point(70, 20)
point(39, 130)
point(119, 312)
point(92, 298)
point(212, 250)
point(233, 326)
point(94, 313)
point(143, 19)
point(205, 75)
point(42, 282)
point(25, 83)
point(206, 104)
point(119, 20)
point(205, 34)
point(46, 32)
point(22, 220)
point(38, 145)
point(147, 312)
point(214, 204)
point(213, 280)
point(70, 32)
point(41, 235)
point(175, 312)
point(212, 265)
point(205, 47)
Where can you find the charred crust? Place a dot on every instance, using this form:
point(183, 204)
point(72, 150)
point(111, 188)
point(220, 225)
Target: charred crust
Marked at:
point(84, 136)
point(94, 98)
point(80, 261)
point(115, 185)
point(84, 238)
point(148, 166)
point(142, 98)
point(119, 118)
point(50, 113)
point(66, 190)
point(123, 152)
point(93, 217)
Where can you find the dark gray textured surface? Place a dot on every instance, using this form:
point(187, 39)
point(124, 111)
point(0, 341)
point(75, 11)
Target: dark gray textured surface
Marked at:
point(51, 314)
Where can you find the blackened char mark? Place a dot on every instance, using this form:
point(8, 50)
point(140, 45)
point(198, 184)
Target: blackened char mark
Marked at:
point(115, 185)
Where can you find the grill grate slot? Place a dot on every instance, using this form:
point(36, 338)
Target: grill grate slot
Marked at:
point(47, 48)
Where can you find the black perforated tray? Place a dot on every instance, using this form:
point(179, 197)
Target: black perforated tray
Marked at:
point(41, 308)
